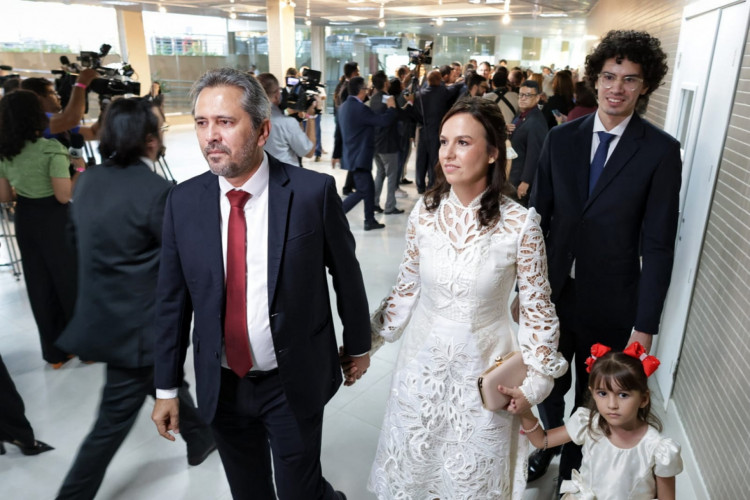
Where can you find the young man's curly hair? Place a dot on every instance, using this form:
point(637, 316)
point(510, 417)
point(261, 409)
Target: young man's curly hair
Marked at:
point(636, 46)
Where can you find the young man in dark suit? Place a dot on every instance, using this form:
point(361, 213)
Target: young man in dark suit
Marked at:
point(247, 247)
point(607, 189)
point(117, 219)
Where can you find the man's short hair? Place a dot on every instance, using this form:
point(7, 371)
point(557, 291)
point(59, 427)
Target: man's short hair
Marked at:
point(254, 100)
point(379, 80)
point(515, 77)
point(269, 82)
point(531, 84)
point(433, 78)
point(446, 70)
point(500, 78)
point(349, 68)
point(355, 86)
point(124, 133)
point(39, 86)
point(636, 46)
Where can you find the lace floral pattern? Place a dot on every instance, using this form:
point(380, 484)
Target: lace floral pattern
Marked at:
point(452, 291)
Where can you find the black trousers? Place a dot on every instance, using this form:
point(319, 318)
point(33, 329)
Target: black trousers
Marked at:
point(427, 161)
point(13, 423)
point(49, 268)
point(576, 340)
point(365, 192)
point(122, 398)
point(254, 421)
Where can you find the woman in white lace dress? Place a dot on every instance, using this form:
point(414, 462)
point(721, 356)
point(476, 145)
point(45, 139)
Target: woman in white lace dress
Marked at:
point(467, 244)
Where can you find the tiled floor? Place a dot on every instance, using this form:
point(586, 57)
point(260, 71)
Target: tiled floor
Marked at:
point(61, 404)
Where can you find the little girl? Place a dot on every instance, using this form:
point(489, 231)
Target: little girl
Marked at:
point(624, 456)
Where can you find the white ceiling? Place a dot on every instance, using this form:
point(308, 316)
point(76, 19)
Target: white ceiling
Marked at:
point(538, 18)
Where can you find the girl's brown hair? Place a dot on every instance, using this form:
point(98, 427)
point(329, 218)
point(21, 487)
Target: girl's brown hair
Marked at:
point(616, 371)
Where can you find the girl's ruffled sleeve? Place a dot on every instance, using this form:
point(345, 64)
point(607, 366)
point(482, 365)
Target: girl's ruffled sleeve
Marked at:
point(667, 458)
point(538, 328)
point(388, 321)
point(577, 425)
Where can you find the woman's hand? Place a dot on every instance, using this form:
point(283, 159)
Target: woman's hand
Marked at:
point(518, 404)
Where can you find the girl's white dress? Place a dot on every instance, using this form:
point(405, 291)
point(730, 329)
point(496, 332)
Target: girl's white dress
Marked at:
point(437, 441)
point(612, 473)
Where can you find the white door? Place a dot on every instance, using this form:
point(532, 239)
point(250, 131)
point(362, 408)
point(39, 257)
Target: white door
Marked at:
point(709, 54)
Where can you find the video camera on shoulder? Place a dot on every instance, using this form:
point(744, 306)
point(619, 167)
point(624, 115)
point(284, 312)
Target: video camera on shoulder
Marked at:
point(421, 56)
point(304, 90)
point(115, 80)
point(5, 78)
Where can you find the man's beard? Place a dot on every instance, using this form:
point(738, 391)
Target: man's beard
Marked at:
point(231, 168)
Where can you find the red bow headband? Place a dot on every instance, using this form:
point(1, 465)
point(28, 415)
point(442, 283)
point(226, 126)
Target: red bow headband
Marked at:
point(634, 350)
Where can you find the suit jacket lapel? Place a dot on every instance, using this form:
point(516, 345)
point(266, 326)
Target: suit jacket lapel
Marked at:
point(210, 223)
point(626, 148)
point(279, 199)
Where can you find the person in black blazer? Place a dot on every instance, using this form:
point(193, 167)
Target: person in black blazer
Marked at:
point(296, 234)
point(116, 223)
point(610, 241)
point(431, 102)
point(358, 124)
point(529, 128)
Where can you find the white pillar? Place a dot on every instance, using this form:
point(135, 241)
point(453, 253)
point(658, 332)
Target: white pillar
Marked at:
point(133, 45)
point(281, 40)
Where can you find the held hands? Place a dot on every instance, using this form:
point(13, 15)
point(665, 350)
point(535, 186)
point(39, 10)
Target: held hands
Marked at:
point(644, 338)
point(391, 102)
point(166, 416)
point(518, 404)
point(515, 309)
point(353, 367)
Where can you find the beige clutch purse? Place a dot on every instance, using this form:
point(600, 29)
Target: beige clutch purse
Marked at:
point(509, 371)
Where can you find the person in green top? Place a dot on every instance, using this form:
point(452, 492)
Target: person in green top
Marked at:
point(37, 169)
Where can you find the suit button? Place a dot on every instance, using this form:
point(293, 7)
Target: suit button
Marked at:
point(216, 355)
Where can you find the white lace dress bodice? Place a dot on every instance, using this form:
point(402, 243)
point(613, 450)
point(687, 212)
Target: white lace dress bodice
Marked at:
point(437, 441)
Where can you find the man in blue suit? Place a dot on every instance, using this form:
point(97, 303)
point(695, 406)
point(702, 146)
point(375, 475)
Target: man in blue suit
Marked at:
point(253, 272)
point(607, 189)
point(358, 123)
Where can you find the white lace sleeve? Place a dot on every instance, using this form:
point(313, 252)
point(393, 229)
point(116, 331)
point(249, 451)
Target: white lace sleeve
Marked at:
point(539, 328)
point(388, 321)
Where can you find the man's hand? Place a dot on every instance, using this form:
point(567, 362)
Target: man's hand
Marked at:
point(518, 404)
point(645, 339)
point(391, 102)
point(335, 161)
point(523, 189)
point(166, 416)
point(87, 76)
point(353, 367)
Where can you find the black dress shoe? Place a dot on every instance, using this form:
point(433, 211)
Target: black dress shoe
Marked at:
point(539, 462)
point(394, 211)
point(420, 191)
point(32, 449)
point(378, 209)
point(199, 457)
point(341, 495)
point(370, 225)
point(347, 192)
point(406, 181)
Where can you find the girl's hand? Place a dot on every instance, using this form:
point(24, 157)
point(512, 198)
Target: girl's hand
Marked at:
point(518, 404)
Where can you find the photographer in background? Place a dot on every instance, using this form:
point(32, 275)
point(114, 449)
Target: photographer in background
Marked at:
point(68, 119)
point(116, 220)
point(286, 141)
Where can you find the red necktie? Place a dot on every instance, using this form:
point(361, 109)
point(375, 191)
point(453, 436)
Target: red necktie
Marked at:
point(236, 341)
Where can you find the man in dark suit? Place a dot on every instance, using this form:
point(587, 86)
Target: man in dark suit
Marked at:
point(529, 129)
point(358, 124)
point(117, 219)
point(432, 102)
point(607, 189)
point(246, 247)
